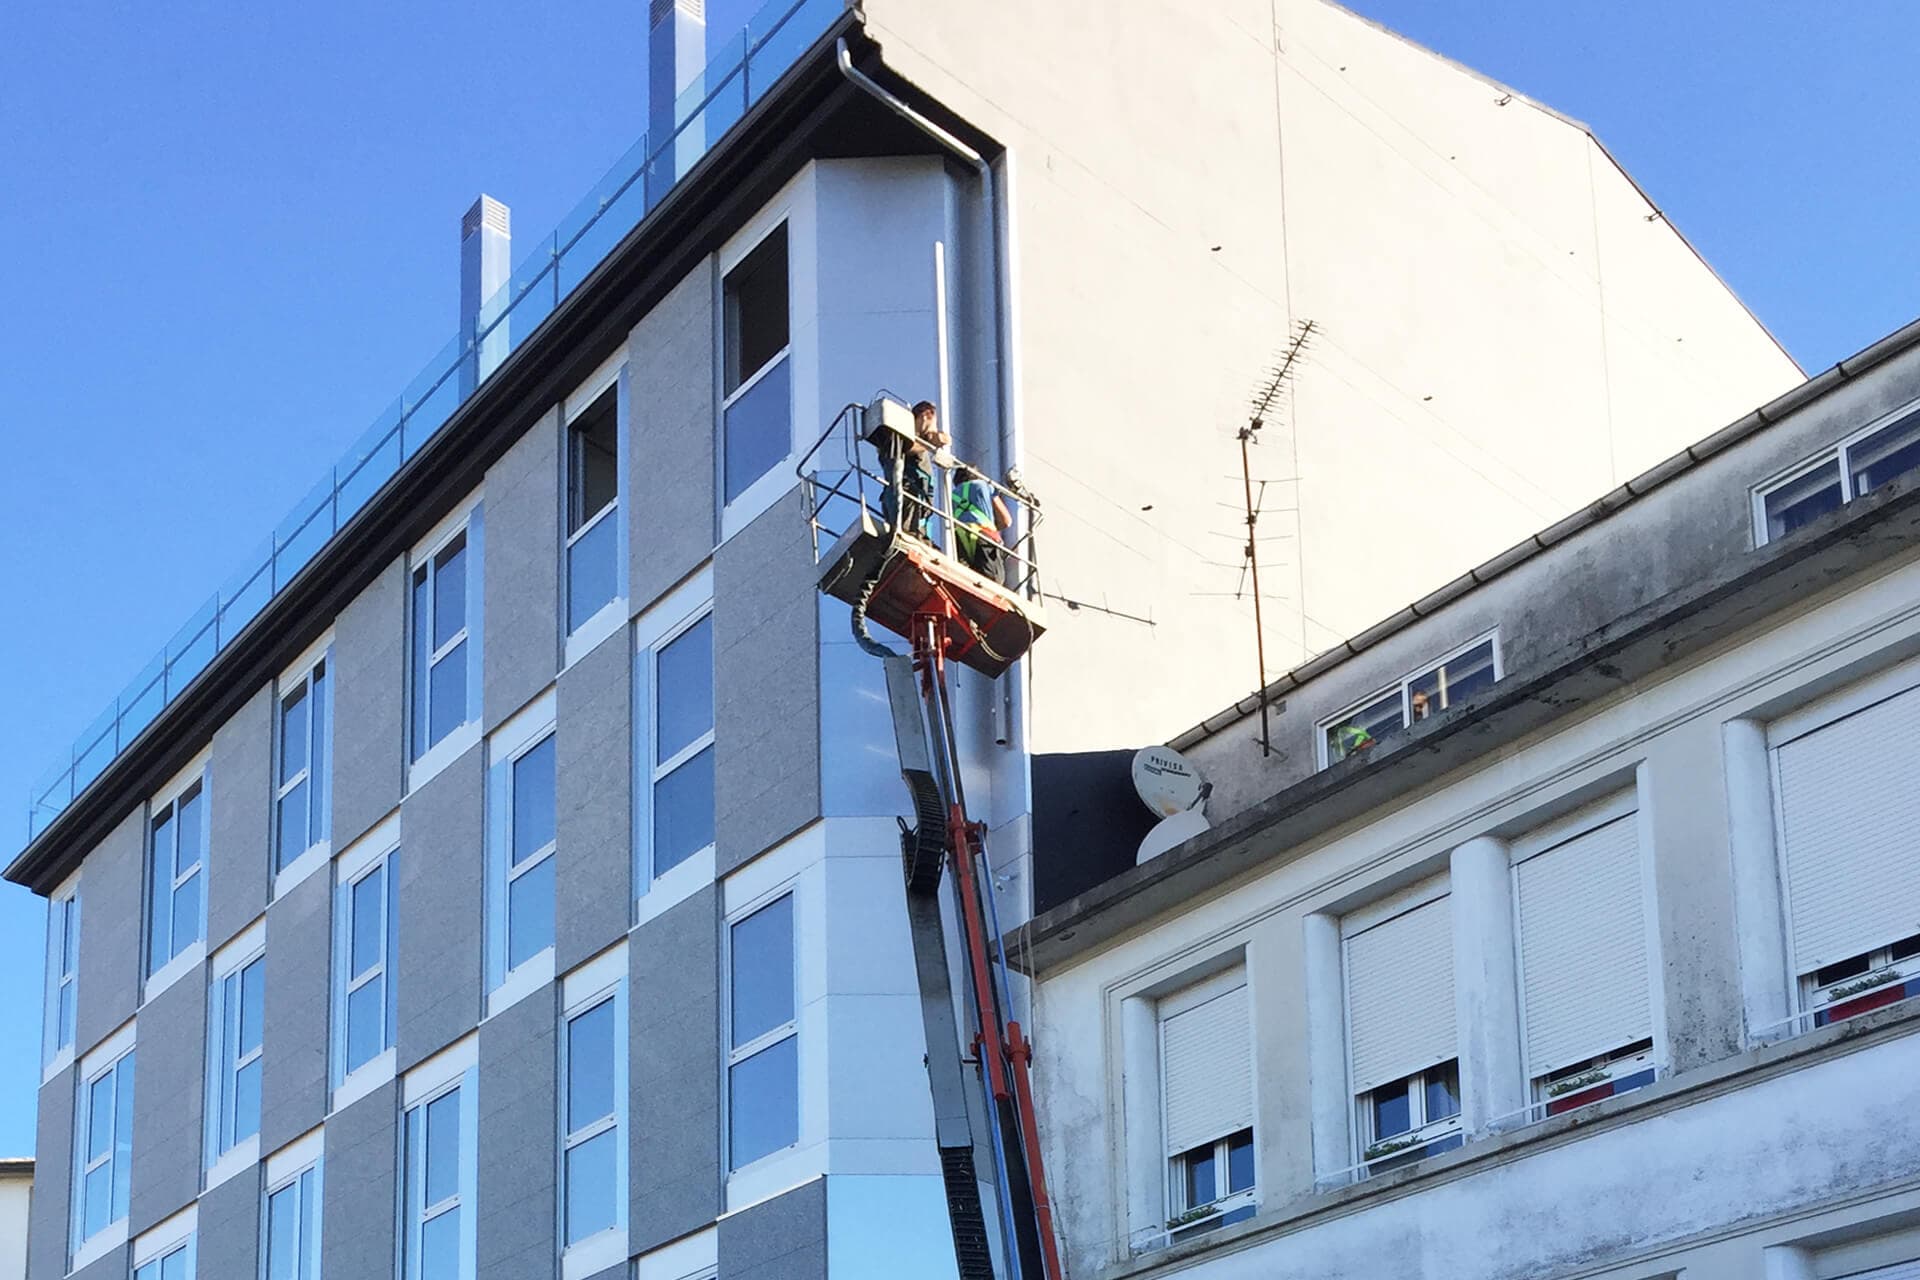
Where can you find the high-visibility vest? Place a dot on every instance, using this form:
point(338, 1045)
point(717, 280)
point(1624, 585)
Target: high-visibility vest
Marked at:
point(1350, 738)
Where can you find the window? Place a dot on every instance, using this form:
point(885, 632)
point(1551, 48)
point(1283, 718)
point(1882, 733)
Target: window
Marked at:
point(235, 1008)
point(175, 1262)
point(1448, 682)
point(757, 411)
point(366, 935)
point(763, 1055)
point(177, 850)
point(1847, 792)
point(675, 801)
point(1859, 464)
point(1584, 978)
point(593, 493)
point(1206, 1085)
point(445, 634)
point(1404, 1121)
point(292, 1246)
point(104, 1131)
point(1401, 1045)
point(63, 973)
point(521, 853)
point(440, 1176)
point(302, 779)
point(593, 1161)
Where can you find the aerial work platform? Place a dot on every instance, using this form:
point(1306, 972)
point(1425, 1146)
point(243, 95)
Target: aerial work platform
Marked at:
point(897, 560)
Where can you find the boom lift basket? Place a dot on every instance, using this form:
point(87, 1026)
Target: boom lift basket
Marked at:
point(898, 577)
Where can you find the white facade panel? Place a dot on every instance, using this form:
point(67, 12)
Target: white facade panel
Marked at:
point(1400, 995)
point(1583, 947)
point(1850, 826)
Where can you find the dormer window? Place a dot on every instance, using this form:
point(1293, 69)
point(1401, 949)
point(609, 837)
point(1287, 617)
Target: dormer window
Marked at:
point(1834, 477)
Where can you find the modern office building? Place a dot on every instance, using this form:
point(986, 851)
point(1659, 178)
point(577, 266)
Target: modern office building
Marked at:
point(499, 877)
point(1610, 967)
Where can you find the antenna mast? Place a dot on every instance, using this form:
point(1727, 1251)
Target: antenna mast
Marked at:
point(1265, 397)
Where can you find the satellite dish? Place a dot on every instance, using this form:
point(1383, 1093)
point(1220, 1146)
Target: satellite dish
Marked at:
point(1170, 831)
point(1167, 783)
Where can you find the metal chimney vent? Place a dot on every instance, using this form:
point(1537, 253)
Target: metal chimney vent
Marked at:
point(486, 212)
point(659, 9)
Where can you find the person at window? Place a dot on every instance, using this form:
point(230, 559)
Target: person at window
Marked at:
point(916, 473)
point(978, 517)
point(1422, 705)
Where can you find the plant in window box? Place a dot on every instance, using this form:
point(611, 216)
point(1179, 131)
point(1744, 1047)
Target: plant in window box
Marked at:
point(1388, 1147)
point(1573, 1083)
point(1868, 983)
point(1199, 1213)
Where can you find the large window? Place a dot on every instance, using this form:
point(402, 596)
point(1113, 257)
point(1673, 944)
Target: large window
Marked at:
point(177, 856)
point(444, 617)
point(1401, 1045)
point(366, 935)
point(1206, 1085)
point(302, 775)
point(63, 973)
point(757, 412)
point(1847, 787)
point(763, 1043)
point(593, 498)
point(1859, 464)
point(103, 1133)
point(292, 1244)
point(1427, 692)
point(440, 1174)
point(173, 1261)
point(235, 1014)
point(593, 1146)
point(674, 684)
point(520, 835)
point(1582, 924)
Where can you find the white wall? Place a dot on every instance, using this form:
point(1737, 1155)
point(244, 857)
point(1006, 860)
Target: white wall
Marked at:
point(1505, 335)
point(16, 1193)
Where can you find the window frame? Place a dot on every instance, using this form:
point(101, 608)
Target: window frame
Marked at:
point(1612, 1068)
point(177, 1237)
point(1228, 1203)
point(1176, 1201)
point(1423, 1131)
point(106, 1061)
point(1886, 974)
point(58, 1034)
point(658, 770)
point(454, 1071)
point(226, 1155)
point(601, 981)
point(349, 1083)
point(532, 727)
point(610, 380)
point(296, 1168)
point(311, 679)
point(738, 1054)
point(193, 782)
point(425, 759)
point(666, 621)
point(786, 214)
point(1404, 685)
point(1839, 451)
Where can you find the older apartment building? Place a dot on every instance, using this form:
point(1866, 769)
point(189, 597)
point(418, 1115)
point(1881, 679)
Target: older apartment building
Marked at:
point(1573, 927)
point(499, 877)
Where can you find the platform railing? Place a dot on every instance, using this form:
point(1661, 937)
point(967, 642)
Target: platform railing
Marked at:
point(744, 66)
point(844, 481)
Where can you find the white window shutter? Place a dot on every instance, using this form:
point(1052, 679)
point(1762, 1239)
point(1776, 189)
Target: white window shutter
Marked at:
point(1206, 1066)
point(1583, 947)
point(1400, 995)
point(1898, 1271)
point(1850, 804)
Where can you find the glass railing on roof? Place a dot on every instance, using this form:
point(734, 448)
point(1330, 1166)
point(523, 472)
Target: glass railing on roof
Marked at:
point(743, 67)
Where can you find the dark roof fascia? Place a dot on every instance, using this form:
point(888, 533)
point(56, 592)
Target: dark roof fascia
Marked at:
point(1758, 586)
point(715, 197)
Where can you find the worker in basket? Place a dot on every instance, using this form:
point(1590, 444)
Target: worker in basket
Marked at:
point(978, 517)
point(927, 449)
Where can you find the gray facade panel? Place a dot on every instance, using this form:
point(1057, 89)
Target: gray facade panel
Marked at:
point(114, 1266)
point(228, 1243)
point(110, 910)
point(168, 1102)
point(784, 1238)
point(521, 645)
point(240, 819)
point(53, 1178)
point(358, 1190)
point(369, 701)
point(518, 1112)
point(766, 633)
point(593, 878)
point(670, 361)
point(293, 1064)
point(674, 1054)
point(438, 978)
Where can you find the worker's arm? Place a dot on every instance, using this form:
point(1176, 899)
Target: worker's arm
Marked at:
point(1003, 518)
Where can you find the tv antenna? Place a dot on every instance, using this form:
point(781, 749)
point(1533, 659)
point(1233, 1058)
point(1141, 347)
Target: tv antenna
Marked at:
point(1265, 397)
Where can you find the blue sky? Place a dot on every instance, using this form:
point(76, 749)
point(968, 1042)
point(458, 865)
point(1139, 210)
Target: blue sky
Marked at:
point(232, 230)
